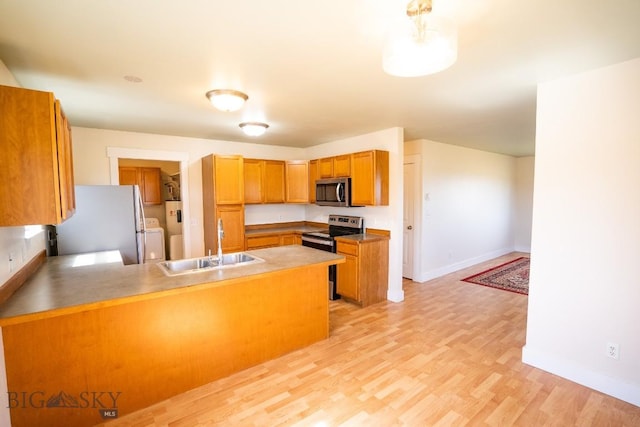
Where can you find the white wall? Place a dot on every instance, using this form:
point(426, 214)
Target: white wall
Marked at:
point(523, 209)
point(468, 199)
point(18, 243)
point(584, 283)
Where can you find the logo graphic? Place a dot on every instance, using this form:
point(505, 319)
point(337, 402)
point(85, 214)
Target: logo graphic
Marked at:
point(106, 402)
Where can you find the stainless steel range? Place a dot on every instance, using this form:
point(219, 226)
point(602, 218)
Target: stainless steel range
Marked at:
point(339, 225)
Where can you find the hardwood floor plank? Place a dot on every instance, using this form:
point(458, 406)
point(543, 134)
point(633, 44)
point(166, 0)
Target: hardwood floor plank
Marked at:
point(449, 355)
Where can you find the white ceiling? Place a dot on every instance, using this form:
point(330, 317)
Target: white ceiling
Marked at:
point(312, 69)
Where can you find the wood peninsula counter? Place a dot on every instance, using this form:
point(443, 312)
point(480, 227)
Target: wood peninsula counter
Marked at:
point(89, 343)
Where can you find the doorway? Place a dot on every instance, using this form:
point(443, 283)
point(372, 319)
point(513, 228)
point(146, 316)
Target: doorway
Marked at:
point(117, 154)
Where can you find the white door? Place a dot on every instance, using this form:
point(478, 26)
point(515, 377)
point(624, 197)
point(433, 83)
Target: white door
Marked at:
point(407, 220)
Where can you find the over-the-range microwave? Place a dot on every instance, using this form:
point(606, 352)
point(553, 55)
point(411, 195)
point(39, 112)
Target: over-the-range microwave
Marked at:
point(333, 192)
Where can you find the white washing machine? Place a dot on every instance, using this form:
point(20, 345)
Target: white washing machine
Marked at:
point(154, 245)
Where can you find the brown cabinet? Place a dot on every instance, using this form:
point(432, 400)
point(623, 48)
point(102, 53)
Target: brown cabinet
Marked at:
point(363, 277)
point(264, 181)
point(148, 179)
point(297, 181)
point(313, 176)
point(370, 178)
point(334, 167)
point(37, 169)
point(223, 198)
point(342, 166)
point(272, 240)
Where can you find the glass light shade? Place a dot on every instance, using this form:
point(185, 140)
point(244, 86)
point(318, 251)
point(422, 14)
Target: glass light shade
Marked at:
point(254, 128)
point(227, 99)
point(411, 53)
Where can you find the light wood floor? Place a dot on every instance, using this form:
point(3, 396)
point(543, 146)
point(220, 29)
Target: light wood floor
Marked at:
point(450, 354)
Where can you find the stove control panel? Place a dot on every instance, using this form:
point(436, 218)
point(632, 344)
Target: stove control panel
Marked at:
point(346, 221)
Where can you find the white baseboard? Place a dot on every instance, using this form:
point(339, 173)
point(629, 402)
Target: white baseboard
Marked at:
point(450, 268)
point(612, 386)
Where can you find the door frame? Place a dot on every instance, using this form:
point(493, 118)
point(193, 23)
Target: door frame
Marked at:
point(116, 153)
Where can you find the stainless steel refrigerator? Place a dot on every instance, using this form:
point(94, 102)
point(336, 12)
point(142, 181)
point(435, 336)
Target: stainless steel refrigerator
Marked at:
point(107, 217)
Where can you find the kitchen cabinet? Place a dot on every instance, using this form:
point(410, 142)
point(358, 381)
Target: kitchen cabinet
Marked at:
point(264, 181)
point(370, 178)
point(272, 240)
point(325, 168)
point(334, 167)
point(297, 179)
point(147, 179)
point(37, 167)
point(363, 277)
point(342, 166)
point(223, 198)
point(313, 176)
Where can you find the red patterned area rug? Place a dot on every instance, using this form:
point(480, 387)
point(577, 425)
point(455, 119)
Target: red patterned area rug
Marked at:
point(512, 276)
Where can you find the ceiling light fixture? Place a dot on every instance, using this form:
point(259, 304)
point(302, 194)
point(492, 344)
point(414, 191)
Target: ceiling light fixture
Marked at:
point(253, 128)
point(227, 99)
point(421, 43)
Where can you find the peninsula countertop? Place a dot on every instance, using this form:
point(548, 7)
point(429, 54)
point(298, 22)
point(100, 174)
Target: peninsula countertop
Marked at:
point(58, 287)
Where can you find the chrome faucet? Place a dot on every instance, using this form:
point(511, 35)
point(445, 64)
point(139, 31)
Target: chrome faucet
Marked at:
point(220, 237)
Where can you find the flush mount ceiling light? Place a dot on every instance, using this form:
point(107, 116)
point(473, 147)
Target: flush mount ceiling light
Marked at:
point(227, 99)
point(421, 43)
point(253, 128)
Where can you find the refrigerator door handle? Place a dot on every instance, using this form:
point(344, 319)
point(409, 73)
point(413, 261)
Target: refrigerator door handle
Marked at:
point(142, 226)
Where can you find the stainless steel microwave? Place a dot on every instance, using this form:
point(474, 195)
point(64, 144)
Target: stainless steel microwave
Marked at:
point(333, 192)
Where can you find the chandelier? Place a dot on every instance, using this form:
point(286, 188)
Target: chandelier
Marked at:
point(421, 43)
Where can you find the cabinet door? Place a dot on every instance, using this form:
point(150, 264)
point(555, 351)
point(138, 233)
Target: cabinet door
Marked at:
point(150, 186)
point(228, 179)
point(274, 181)
point(65, 163)
point(233, 225)
point(342, 166)
point(128, 175)
point(325, 167)
point(347, 277)
point(297, 182)
point(253, 172)
point(370, 178)
point(313, 176)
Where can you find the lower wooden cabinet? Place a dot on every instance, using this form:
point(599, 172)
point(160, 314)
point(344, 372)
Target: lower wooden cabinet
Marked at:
point(363, 277)
point(272, 240)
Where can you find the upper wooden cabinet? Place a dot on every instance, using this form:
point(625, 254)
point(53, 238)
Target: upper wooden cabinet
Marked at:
point(148, 179)
point(264, 181)
point(37, 166)
point(370, 178)
point(313, 176)
point(334, 167)
point(297, 179)
point(342, 166)
point(223, 198)
point(229, 179)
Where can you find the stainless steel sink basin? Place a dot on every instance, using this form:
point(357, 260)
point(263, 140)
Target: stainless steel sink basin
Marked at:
point(197, 265)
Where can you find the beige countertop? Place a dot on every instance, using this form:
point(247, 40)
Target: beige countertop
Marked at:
point(367, 237)
point(59, 286)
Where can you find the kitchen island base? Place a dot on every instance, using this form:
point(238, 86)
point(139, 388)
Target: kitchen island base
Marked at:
point(84, 367)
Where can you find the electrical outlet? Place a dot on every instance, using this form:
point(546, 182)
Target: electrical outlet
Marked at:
point(613, 350)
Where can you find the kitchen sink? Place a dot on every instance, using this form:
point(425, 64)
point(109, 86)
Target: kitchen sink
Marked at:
point(207, 263)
